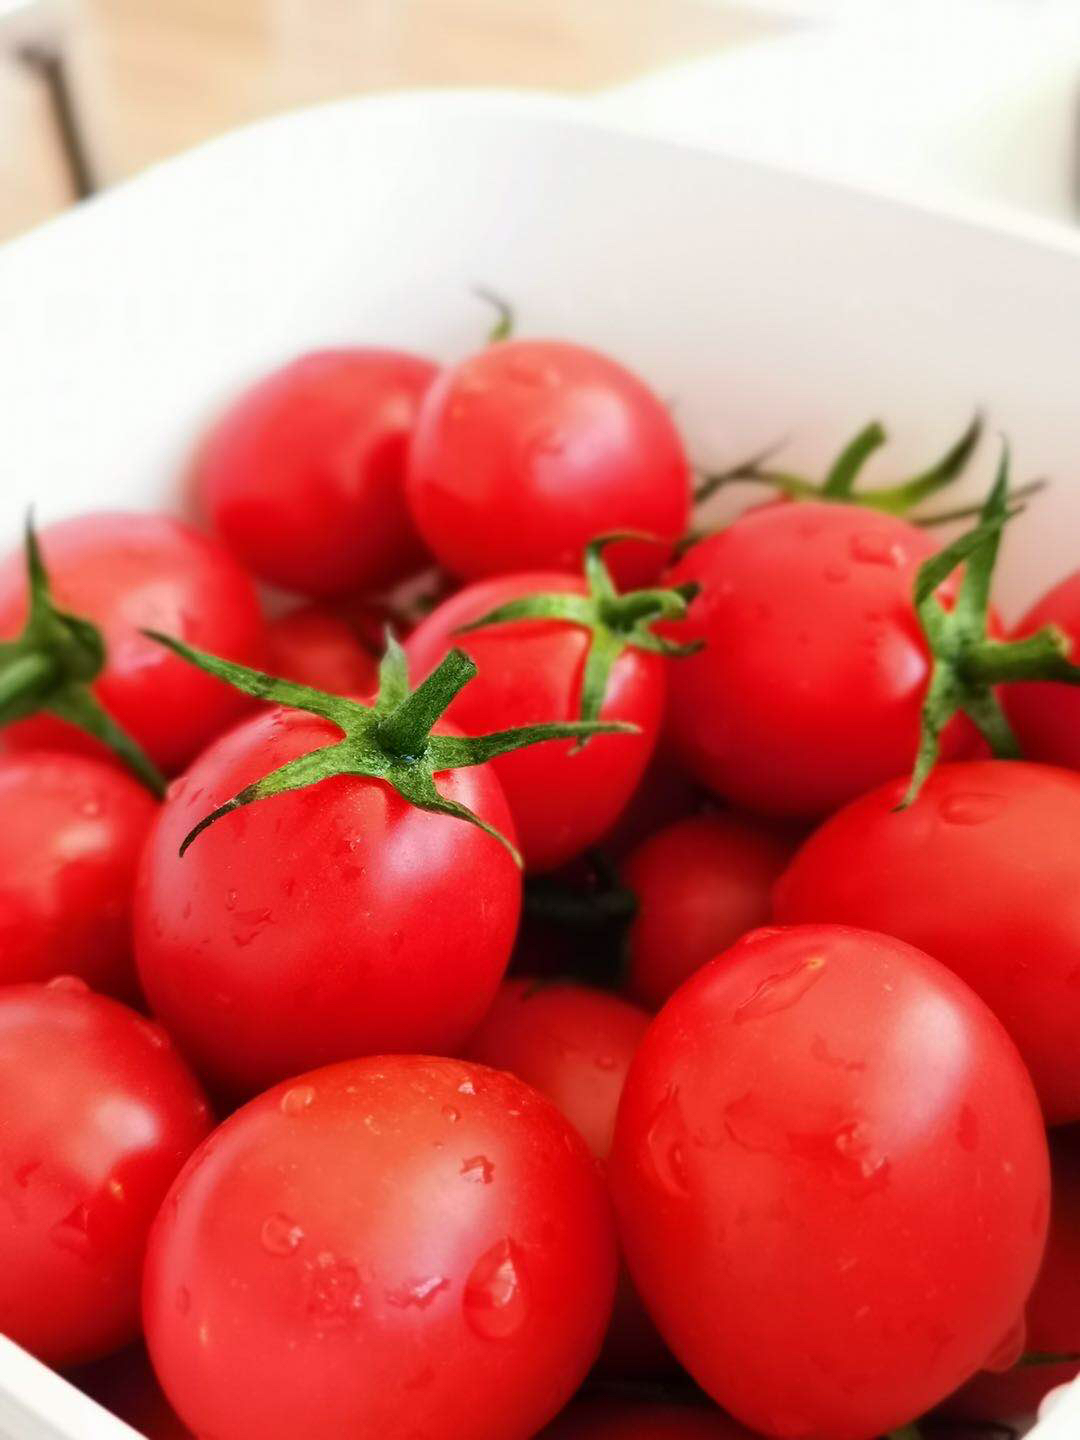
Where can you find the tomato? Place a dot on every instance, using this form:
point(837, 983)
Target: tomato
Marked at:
point(1053, 1311)
point(700, 884)
point(1046, 717)
point(69, 845)
point(302, 476)
point(324, 923)
point(831, 1179)
point(127, 572)
point(317, 646)
point(664, 794)
point(398, 1246)
point(125, 1384)
point(528, 450)
point(97, 1115)
point(611, 1419)
point(809, 687)
point(981, 873)
point(563, 797)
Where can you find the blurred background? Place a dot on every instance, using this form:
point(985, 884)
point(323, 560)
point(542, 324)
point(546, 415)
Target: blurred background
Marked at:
point(976, 100)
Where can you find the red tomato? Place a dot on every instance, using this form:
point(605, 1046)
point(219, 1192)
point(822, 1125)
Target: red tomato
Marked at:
point(1046, 718)
point(97, 1115)
point(563, 798)
point(1053, 1312)
point(316, 646)
point(810, 685)
point(126, 572)
point(831, 1178)
point(302, 477)
point(700, 884)
point(69, 845)
point(528, 450)
point(324, 923)
point(126, 1385)
point(603, 1419)
point(981, 872)
point(665, 794)
point(396, 1246)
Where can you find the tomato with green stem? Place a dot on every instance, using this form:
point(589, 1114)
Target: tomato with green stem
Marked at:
point(1044, 717)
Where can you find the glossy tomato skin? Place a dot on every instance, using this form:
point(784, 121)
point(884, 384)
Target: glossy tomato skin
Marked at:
point(809, 686)
point(612, 1419)
point(97, 1115)
point(1046, 717)
point(302, 476)
point(412, 1248)
point(328, 922)
point(700, 884)
point(69, 846)
point(831, 1179)
point(528, 450)
point(127, 572)
point(316, 646)
point(981, 873)
point(563, 797)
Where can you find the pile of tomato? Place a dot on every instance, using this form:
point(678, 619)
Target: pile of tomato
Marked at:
point(568, 969)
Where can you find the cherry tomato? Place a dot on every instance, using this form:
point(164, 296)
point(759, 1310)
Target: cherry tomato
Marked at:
point(324, 923)
point(316, 646)
point(396, 1246)
point(1053, 1312)
point(700, 884)
point(809, 687)
point(1046, 717)
point(563, 797)
point(528, 450)
point(302, 477)
point(97, 1115)
point(127, 572)
point(831, 1179)
point(69, 845)
point(610, 1419)
point(664, 794)
point(126, 1384)
point(981, 873)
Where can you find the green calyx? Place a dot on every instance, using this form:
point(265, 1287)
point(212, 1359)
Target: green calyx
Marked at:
point(51, 665)
point(390, 740)
point(967, 664)
point(615, 622)
point(505, 321)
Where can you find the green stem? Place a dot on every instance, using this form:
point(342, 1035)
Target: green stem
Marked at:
point(26, 676)
point(404, 732)
point(1042, 656)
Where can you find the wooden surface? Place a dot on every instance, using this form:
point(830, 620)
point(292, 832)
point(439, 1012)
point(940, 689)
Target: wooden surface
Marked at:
point(153, 77)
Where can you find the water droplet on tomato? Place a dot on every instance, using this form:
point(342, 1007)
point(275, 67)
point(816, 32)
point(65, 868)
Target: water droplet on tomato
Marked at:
point(451, 1114)
point(778, 992)
point(68, 985)
point(280, 1235)
point(335, 1294)
point(466, 1088)
point(877, 548)
point(297, 1099)
point(231, 898)
point(155, 1034)
point(73, 1231)
point(971, 808)
point(419, 1293)
point(478, 1169)
point(666, 1143)
point(494, 1301)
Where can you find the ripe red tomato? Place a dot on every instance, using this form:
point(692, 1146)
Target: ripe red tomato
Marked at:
point(1046, 717)
point(610, 1419)
point(528, 450)
point(73, 830)
point(324, 923)
point(126, 1384)
point(396, 1246)
point(563, 797)
point(317, 646)
point(1053, 1311)
point(980, 873)
point(97, 1115)
point(831, 1179)
point(700, 884)
point(126, 572)
point(809, 688)
point(664, 794)
point(302, 477)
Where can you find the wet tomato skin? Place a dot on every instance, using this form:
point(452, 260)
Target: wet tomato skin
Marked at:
point(97, 1115)
point(1046, 717)
point(396, 1246)
point(792, 1120)
point(980, 873)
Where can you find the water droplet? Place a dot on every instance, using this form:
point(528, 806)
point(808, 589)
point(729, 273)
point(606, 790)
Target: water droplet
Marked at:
point(466, 1088)
point(280, 1235)
point(73, 1231)
point(335, 1294)
point(183, 1300)
point(251, 924)
point(417, 1292)
point(606, 1062)
point(479, 1170)
point(666, 1143)
point(115, 1188)
point(494, 1301)
point(971, 808)
point(68, 985)
point(154, 1034)
point(451, 1114)
point(91, 806)
point(873, 547)
point(967, 1129)
point(230, 899)
point(778, 992)
point(820, 1051)
point(836, 574)
point(297, 1099)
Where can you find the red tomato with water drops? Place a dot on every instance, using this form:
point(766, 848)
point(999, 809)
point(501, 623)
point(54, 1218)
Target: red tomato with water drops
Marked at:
point(303, 475)
point(126, 1385)
point(317, 646)
point(981, 873)
point(97, 1115)
point(396, 1246)
point(529, 449)
point(828, 1150)
point(810, 685)
point(126, 573)
point(324, 923)
point(614, 1419)
point(700, 884)
point(69, 846)
point(1046, 717)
